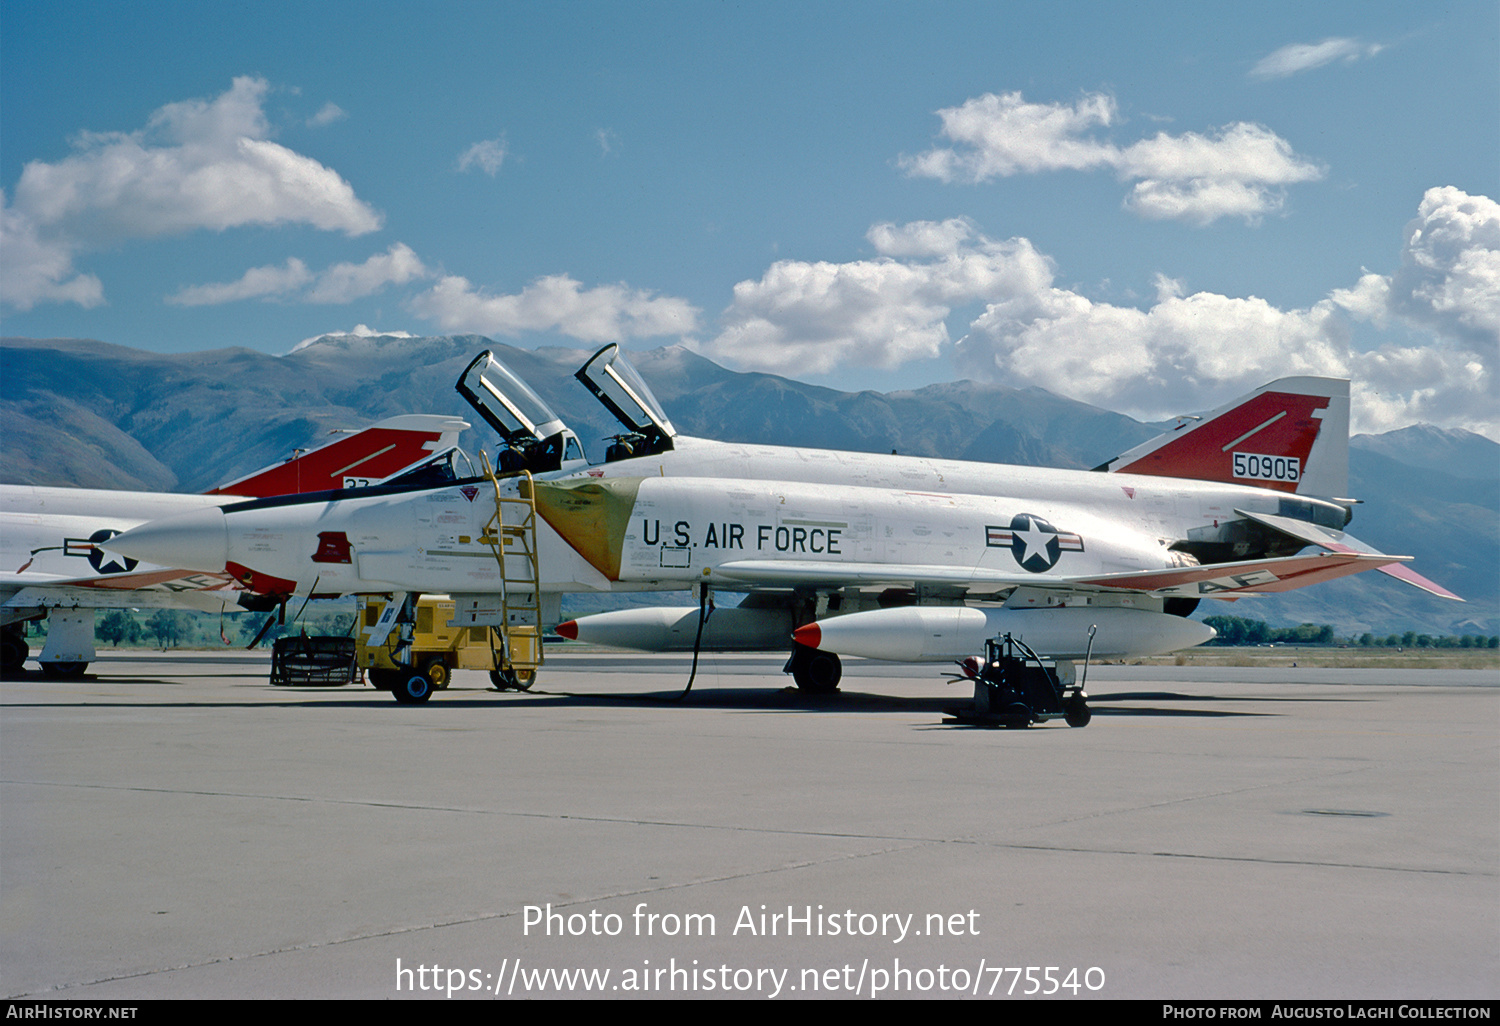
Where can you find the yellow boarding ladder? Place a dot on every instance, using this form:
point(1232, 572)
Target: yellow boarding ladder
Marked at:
point(513, 541)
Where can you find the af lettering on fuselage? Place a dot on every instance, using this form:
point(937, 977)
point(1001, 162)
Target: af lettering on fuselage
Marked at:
point(815, 537)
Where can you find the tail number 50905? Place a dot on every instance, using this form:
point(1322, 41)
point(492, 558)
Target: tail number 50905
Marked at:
point(1267, 468)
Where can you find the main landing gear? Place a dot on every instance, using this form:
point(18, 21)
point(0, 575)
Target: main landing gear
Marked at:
point(815, 671)
point(13, 648)
point(512, 679)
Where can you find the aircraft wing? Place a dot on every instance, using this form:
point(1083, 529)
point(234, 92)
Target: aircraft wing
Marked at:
point(169, 579)
point(1342, 541)
point(799, 572)
point(25, 595)
point(1223, 579)
point(1244, 578)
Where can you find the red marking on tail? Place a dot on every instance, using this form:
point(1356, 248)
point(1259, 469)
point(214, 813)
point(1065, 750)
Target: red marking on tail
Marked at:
point(370, 455)
point(1272, 424)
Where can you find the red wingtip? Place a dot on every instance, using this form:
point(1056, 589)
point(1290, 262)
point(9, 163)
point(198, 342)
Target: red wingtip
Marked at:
point(568, 630)
point(809, 634)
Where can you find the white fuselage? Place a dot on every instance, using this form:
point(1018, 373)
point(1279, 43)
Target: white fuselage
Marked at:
point(48, 536)
point(706, 505)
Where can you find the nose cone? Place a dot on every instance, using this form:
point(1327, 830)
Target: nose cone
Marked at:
point(189, 541)
point(1187, 633)
point(809, 634)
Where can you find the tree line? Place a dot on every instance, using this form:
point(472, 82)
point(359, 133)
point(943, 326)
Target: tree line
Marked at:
point(1236, 630)
point(174, 628)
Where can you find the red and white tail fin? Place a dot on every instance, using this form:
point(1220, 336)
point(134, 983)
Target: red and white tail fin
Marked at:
point(1291, 435)
point(366, 457)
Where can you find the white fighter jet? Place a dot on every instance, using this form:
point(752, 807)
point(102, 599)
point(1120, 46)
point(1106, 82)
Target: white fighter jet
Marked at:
point(56, 561)
point(840, 553)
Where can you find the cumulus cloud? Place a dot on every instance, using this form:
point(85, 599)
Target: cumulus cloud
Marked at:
point(1147, 362)
point(198, 164)
point(1449, 281)
point(1239, 171)
point(256, 283)
point(1200, 178)
point(1211, 347)
point(327, 115)
point(605, 313)
point(341, 283)
point(39, 270)
point(1184, 351)
point(922, 238)
point(808, 318)
point(1296, 57)
point(344, 283)
point(486, 155)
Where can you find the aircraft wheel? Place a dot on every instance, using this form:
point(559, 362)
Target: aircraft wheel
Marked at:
point(815, 671)
point(1077, 713)
point(13, 651)
point(437, 672)
point(382, 679)
point(64, 670)
point(513, 679)
point(413, 689)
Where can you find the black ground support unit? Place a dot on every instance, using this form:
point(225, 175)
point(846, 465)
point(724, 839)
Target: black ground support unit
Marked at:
point(316, 662)
point(1014, 687)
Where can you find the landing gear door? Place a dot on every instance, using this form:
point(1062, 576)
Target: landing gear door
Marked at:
point(619, 386)
point(534, 438)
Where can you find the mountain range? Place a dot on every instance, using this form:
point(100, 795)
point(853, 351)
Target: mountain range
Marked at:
point(78, 412)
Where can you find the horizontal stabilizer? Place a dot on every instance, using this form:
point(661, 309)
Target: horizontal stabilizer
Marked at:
point(1244, 578)
point(1342, 541)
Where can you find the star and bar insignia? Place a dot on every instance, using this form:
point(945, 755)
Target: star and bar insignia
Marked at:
point(1036, 544)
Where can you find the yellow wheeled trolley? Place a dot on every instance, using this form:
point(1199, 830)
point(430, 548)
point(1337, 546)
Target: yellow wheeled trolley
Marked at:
point(438, 649)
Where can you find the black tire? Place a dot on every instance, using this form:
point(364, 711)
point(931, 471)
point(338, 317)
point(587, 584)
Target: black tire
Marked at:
point(513, 679)
point(1077, 713)
point(382, 679)
point(413, 689)
point(64, 670)
point(13, 651)
point(815, 671)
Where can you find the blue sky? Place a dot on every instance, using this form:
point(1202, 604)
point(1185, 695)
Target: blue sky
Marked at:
point(1151, 207)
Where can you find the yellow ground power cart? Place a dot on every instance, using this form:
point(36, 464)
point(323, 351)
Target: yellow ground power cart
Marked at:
point(438, 649)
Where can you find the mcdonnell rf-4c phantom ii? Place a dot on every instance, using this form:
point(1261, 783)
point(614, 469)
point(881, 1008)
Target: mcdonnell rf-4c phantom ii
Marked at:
point(838, 553)
point(56, 559)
